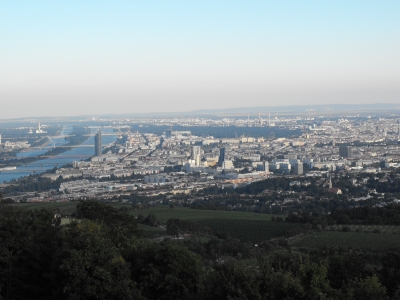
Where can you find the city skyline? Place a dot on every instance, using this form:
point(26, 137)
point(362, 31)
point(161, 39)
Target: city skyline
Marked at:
point(80, 58)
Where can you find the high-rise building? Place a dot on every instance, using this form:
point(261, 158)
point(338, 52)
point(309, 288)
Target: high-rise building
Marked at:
point(227, 165)
point(398, 130)
point(265, 166)
point(0, 138)
point(260, 120)
point(168, 133)
point(298, 168)
point(97, 144)
point(221, 156)
point(196, 155)
point(345, 151)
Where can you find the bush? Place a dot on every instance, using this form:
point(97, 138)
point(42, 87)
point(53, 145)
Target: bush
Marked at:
point(346, 229)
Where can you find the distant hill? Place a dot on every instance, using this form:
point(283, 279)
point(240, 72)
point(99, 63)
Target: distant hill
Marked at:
point(302, 108)
point(212, 113)
point(238, 111)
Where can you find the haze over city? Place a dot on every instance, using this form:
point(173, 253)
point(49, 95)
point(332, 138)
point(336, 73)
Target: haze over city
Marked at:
point(102, 57)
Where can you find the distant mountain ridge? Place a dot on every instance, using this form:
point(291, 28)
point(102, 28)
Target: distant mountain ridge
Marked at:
point(324, 107)
point(213, 113)
point(264, 109)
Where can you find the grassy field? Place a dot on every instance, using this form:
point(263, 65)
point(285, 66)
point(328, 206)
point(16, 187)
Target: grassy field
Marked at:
point(247, 230)
point(359, 240)
point(65, 207)
point(246, 226)
point(163, 213)
point(242, 225)
point(150, 231)
point(370, 228)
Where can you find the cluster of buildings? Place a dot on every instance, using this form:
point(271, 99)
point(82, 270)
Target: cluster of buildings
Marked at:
point(9, 146)
point(179, 162)
point(19, 144)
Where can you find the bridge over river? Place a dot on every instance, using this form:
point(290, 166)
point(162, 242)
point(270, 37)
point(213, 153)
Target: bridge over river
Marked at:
point(53, 147)
point(48, 162)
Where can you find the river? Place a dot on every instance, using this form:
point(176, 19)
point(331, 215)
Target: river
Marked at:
point(77, 153)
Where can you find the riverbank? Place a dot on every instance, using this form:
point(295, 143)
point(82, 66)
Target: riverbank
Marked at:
point(77, 137)
point(79, 152)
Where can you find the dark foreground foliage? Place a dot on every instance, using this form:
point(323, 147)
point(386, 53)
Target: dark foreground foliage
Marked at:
point(389, 215)
point(102, 255)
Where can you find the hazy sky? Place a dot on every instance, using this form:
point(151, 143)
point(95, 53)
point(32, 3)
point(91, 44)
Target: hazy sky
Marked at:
point(94, 57)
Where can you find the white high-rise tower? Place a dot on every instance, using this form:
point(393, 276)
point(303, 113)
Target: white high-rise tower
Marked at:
point(196, 155)
point(398, 129)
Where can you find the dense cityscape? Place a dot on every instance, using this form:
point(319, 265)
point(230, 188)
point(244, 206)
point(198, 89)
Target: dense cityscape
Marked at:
point(169, 162)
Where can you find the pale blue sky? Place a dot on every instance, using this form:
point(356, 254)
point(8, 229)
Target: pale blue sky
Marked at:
point(93, 57)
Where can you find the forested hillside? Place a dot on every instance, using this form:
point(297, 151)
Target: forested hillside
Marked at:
point(103, 255)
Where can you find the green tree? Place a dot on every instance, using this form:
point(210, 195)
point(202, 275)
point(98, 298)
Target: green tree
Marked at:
point(122, 226)
point(304, 279)
point(28, 242)
point(365, 289)
point(91, 266)
point(232, 281)
point(167, 271)
point(390, 271)
point(151, 220)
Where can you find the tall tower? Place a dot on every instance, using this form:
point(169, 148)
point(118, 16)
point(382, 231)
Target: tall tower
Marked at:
point(330, 181)
point(196, 155)
point(97, 144)
point(398, 129)
point(265, 166)
point(269, 119)
point(345, 151)
point(168, 133)
point(298, 168)
point(221, 156)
